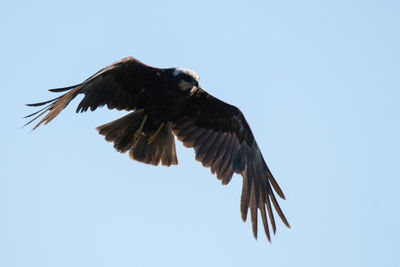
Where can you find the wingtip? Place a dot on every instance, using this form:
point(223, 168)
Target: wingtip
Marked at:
point(63, 89)
point(31, 105)
point(255, 235)
point(285, 221)
point(244, 217)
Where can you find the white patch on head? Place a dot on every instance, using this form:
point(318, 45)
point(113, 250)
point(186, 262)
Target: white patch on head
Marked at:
point(178, 71)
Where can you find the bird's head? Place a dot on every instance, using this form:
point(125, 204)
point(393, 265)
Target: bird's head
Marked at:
point(187, 80)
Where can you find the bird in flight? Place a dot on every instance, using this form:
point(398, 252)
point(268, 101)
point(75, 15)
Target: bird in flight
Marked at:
point(168, 102)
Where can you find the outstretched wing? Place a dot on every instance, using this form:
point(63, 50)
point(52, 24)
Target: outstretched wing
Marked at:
point(123, 85)
point(223, 141)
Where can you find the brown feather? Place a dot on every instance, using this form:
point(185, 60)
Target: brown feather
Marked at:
point(253, 206)
point(261, 205)
point(278, 210)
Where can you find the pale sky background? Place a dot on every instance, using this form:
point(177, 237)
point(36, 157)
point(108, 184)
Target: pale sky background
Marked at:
point(318, 81)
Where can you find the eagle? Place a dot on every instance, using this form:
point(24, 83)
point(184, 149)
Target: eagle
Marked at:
point(169, 102)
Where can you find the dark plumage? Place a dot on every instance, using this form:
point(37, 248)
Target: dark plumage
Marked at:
point(168, 102)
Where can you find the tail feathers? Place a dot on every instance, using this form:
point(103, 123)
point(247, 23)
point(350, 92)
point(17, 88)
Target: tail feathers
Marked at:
point(161, 150)
point(54, 106)
point(168, 157)
point(121, 132)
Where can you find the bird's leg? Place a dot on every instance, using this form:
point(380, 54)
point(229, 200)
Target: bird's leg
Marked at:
point(139, 131)
point(154, 135)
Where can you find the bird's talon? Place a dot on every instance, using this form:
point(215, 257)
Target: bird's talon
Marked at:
point(139, 131)
point(151, 139)
point(154, 135)
point(137, 135)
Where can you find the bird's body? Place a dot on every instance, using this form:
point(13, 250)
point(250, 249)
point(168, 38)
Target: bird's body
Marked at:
point(166, 103)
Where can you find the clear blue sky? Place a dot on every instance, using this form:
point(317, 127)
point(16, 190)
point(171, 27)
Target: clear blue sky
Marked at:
point(318, 82)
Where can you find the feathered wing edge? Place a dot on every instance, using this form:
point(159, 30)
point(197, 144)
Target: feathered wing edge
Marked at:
point(112, 86)
point(224, 154)
point(54, 106)
point(257, 192)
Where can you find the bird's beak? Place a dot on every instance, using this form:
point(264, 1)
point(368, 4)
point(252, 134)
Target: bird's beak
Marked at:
point(195, 83)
